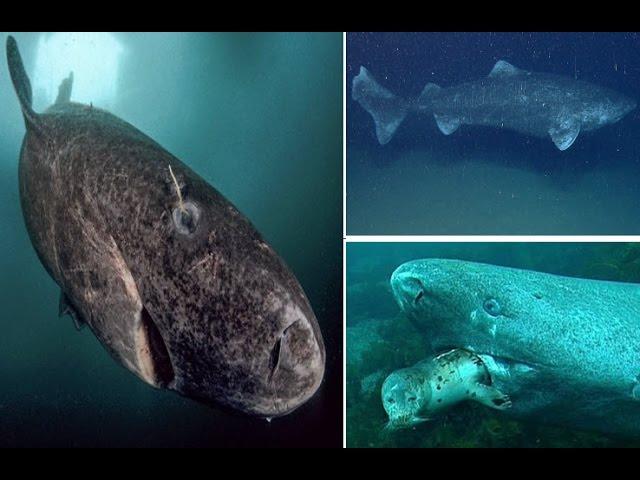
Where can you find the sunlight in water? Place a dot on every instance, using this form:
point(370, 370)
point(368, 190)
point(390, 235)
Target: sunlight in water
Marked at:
point(94, 58)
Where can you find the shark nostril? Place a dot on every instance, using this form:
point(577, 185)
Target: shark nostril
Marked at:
point(414, 289)
point(274, 357)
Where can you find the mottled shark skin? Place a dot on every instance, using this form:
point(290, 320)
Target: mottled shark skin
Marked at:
point(535, 104)
point(565, 350)
point(173, 280)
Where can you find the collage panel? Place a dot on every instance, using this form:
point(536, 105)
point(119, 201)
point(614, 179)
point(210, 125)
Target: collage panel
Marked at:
point(459, 133)
point(169, 196)
point(494, 344)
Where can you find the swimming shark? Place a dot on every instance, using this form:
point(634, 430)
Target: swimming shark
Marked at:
point(536, 104)
point(175, 282)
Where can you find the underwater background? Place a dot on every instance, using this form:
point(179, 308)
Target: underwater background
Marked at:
point(479, 180)
point(380, 340)
point(259, 116)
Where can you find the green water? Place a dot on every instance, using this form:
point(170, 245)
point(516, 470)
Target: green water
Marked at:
point(380, 339)
point(259, 116)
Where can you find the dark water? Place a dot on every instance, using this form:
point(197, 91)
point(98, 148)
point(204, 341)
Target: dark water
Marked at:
point(479, 180)
point(259, 116)
point(380, 339)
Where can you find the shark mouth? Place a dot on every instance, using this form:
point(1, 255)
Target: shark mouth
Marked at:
point(154, 362)
point(503, 369)
point(500, 368)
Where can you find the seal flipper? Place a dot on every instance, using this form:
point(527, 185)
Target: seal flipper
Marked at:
point(66, 308)
point(21, 84)
point(490, 396)
point(64, 90)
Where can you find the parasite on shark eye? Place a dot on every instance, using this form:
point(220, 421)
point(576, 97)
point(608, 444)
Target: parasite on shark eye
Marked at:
point(185, 217)
point(185, 214)
point(492, 307)
point(419, 296)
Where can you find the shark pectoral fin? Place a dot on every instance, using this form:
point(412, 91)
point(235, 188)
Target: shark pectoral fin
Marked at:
point(502, 68)
point(490, 397)
point(446, 124)
point(565, 133)
point(66, 308)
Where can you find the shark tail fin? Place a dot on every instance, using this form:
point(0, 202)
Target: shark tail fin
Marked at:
point(64, 90)
point(21, 83)
point(388, 111)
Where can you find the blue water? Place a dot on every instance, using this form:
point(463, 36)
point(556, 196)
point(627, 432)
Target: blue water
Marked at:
point(259, 116)
point(381, 339)
point(480, 180)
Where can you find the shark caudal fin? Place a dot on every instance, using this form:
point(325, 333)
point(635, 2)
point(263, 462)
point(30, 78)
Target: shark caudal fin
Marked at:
point(387, 110)
point(21, 82)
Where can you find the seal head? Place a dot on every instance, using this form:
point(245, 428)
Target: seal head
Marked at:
point(405, 395)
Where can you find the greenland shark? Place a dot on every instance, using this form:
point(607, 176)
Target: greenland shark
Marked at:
point(536, 104)
point(173, 280)
point(565, 350)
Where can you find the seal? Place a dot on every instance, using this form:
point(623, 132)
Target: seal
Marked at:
point(566, 350)
point(173, 280)
point(414, 395)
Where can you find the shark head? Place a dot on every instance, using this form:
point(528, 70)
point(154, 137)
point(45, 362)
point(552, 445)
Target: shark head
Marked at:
point(488, 310)
point(242, 333)
point(606, 109)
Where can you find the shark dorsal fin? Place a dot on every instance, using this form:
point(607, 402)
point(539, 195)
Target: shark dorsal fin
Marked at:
point(502, 68)
point(64, 90)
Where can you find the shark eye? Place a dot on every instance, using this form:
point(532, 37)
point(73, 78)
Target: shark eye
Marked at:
point(412, 399)
point(492, 307)
point(185, 217)
point(391, 400)
point(419, 296)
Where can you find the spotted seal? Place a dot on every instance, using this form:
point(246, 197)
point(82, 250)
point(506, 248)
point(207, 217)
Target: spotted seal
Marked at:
point(414, 395)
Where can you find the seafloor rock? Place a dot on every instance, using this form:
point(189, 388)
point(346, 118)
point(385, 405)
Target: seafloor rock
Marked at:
point(371, 384)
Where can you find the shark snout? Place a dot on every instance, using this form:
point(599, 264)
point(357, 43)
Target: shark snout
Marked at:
point(408, 289)
point(622, 108)
point(295, 368)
